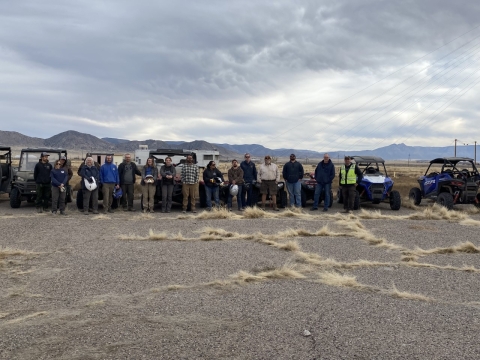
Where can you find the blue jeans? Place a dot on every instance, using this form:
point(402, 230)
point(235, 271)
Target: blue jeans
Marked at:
point(239, 198)
point(215, 191)
point(318, 191)
point(295, 193)
point(247, 195)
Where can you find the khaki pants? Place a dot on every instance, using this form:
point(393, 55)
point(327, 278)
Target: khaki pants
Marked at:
point(148, 192)
point(189, 190)
point(107, 191)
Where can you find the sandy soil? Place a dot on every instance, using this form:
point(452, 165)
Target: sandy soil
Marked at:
point(100, 287)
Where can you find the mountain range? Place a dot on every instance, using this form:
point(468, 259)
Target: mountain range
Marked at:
point(74, 140)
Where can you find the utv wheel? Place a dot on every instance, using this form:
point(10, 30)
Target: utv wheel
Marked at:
point(304, 198)
point(445, 199)
point(356, 203)
point(79, 200)
point(477, 202)
point(203, 197)
point(415, 195)
point(395, 200)
point(15, 198)
point(339, 196)
point(283, 199)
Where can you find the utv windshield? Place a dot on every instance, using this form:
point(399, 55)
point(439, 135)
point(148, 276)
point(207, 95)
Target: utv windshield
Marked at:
point(28, 160)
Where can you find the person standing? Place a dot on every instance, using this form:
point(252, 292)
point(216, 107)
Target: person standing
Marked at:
point(126, 172)
point(190, 183)
point(235, 177)
point(249, 178)
point(350, 176)
point(268, 178)
point(149, 185)
point(59, 179)
point(168, 173)
point(110, 180)
point(41, 175)
point(91, 174)
point(212, 177)
point(324, 175)
point(293, 175)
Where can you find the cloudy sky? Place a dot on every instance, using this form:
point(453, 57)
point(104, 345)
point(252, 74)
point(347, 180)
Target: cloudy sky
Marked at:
point(320, 75)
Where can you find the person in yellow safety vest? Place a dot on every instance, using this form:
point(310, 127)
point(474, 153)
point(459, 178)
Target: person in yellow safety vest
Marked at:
point(350, 176)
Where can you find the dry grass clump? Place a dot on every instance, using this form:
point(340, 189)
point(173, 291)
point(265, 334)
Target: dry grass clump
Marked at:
point(358, 231)
point(409, 204)
point(374, 215)
point(324, 231)
point(394, 292)
point(283, 273)
point(221, 213)
point(440, 267)
point(288, 246)
point(257, 213)
point(437, 212)
point(409, 257)
point(341, 280)
point(101, 217)
point(470, 222)
point(153, 236)
point(465, 247)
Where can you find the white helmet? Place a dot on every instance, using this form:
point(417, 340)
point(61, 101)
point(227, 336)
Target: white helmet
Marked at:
point(234, 190)
point(90, 186)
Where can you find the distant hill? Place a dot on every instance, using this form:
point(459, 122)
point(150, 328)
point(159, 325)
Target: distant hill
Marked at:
point(74, 140)
point(13, 138)
point(114, 141)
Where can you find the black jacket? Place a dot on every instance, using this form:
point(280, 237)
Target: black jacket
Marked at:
point(292, 172)
point(325, 173)
point(121, 172)
point(209, 174)
point(41, 173)
point(88, 172)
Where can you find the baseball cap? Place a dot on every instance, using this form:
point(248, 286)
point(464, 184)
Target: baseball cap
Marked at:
point(63, 158)
point(292, 155)
point(348, 157)
point(45, 154)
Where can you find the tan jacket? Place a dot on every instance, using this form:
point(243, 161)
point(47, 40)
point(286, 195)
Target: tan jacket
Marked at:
point(268, 172)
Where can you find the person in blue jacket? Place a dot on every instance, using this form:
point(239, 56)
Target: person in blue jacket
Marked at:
point(90, 173)
point(110, 180)
point(59, 179)
point(249, 178)
point(324, 175)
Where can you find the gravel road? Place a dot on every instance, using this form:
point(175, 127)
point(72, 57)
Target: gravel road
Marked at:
point(77, 289)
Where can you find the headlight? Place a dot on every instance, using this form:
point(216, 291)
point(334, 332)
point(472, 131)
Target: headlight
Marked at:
point(19, 178)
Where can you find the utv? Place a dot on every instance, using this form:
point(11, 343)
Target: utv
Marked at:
point(6, 171)
point(308, 191)
point(449, 181)
point(376, 186)
point(99, 160)
point(179, 157)
point(23, 185)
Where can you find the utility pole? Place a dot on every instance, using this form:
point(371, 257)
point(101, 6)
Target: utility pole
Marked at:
point(455, 153)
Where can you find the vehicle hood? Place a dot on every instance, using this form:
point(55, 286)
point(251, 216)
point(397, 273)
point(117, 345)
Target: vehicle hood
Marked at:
point(375, 179)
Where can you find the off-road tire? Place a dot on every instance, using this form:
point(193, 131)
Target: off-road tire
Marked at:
point(415, 195)
point(283, 199)
point(339, 196)
point(203, 197)
point(356, 203)
point(445, 199)
point(477, 204)
point(79, 200)
point(304, 198)
point(395, 200)
point(15, 198)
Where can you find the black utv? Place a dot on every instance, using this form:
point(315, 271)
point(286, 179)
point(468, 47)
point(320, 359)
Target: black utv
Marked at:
point(6, 171)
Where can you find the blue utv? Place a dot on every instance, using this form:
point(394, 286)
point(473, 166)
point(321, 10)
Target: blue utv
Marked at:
point(449, 181)
point(376, 186)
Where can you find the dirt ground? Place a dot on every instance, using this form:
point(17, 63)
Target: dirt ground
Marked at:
point(253, 285)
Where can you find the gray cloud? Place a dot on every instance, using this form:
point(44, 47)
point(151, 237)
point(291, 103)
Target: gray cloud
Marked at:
point(238, 71)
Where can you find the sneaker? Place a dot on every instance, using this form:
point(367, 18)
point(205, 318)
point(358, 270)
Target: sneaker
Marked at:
point(313, 209)
point(164, 211)
point(110, 211)
point(184, 211)
point(132, 209)
point(144, 211)
point(39, 211)
point(347, 211)
point(124, 209)
point(241, 209)
point(194, 211)
point(151, 211)
point(62, 213)
point(168, 211)
point(325, 209)
point(54, 212)
point(276, 209)
point(86, 213)
point(95, 212)
point(209, 209)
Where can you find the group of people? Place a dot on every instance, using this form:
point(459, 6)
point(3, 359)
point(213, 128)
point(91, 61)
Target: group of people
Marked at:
point(52, 181)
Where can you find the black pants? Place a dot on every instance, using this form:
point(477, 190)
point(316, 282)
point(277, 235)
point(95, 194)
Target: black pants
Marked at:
point(348, 193)
point(44, 192)
point(127, 197)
